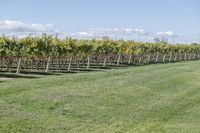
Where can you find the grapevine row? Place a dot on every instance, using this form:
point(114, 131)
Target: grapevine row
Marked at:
point(49, 53)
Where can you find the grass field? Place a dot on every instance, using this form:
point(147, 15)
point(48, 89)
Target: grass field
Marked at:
point(154, 98)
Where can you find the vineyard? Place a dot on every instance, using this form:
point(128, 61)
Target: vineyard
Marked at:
point(49, 53)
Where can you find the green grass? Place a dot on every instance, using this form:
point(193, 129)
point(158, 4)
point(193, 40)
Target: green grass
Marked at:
point(154, 98)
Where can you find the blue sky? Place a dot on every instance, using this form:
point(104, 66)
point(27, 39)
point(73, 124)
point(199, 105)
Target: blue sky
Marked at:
point(128, 19)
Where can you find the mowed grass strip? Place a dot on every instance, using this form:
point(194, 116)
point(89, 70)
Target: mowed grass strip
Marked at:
point(153, 98)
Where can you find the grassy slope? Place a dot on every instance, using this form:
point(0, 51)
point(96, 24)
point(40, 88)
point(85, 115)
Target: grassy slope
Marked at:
point(154, 98)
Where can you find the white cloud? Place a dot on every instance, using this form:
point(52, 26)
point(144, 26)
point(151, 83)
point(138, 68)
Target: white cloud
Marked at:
point(21, 29)
point(123, 33)
point(110, 32)
point(167, 33)
point(116, 31)
point(18, 28)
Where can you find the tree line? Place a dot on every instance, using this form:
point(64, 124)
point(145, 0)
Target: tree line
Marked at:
point(50, 53)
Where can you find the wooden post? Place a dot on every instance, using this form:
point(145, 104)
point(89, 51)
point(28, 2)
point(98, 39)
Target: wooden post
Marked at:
point(70, 63)
point(105, 60)
point(185, 56)
point(157, 57)
point(48, 62)
point(19, 65)
point(190, 56)
point(170, 57)
point(88, 63)
point(164, 57)
point(149, 58)
point(118, 60)
point(140, 59)
point(130, 59)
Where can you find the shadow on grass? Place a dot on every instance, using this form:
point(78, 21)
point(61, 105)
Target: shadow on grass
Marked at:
point(76, 70)
point(12, 75)
point(39, 73)
point(97, 68)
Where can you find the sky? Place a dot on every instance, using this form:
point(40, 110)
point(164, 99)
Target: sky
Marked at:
point(141, 20)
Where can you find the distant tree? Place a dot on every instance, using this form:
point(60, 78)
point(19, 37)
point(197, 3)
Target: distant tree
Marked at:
point(105, 38)
point(196, 44)
point(160, 39)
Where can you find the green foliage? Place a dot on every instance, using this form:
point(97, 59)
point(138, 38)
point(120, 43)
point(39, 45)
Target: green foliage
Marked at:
point(36, 47)
point(84, 48)
point(69, 46)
